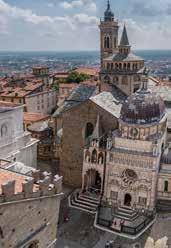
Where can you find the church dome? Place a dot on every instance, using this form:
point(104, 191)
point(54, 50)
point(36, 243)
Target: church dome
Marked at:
point(143, 107)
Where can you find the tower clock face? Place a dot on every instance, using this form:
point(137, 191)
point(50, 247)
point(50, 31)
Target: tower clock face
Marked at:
point(133, 132)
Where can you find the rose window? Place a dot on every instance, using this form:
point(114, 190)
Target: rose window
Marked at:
point(128, 177)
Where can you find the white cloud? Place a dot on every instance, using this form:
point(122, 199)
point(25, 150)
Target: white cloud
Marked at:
point(29, 16)
point(70, 5)
point(92, 7)
point(88, 4)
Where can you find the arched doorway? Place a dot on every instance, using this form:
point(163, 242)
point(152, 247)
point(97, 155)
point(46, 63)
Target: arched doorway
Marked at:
point(92, 181)
point(34, 244)
point(127, 200)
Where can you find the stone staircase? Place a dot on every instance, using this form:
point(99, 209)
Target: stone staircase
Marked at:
point(125, 213)
point(84, 202)
point(164, 205)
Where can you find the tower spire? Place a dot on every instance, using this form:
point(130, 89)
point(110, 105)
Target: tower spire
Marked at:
point(124, 46)
point(124, 38)
point(108, 15)
point(108, 4)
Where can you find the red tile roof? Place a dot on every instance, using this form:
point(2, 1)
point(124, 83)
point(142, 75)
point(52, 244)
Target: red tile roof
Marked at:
point(88, 71)
point(22, 90)
point(9, 104)
point(35, 117)
point(68, 86)
point(6, 176)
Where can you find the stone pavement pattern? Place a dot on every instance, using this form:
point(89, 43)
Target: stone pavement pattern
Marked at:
point(79, 232)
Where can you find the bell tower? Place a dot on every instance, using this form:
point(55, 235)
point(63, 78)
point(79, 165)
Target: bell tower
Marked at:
point(108, 34)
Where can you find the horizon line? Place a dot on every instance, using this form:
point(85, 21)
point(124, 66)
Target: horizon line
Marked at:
point(62, 51)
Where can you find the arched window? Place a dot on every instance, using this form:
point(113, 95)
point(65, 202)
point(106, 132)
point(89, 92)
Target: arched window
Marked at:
point(89, 130)
point(120, 66)
point(87, 156)
point(124, 66)
point(107, 79)
point(106, 42)
point(100, 158)
point(4, 130)
point(116, 66)
point(166, 185)
point(94, 156)
point(128, 66)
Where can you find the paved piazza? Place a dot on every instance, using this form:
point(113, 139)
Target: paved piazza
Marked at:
point(79, 232)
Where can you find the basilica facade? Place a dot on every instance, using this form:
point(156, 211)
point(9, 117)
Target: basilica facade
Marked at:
point(126, 171)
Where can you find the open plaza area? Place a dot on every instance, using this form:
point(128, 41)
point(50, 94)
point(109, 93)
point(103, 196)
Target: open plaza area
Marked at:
point(79, 231)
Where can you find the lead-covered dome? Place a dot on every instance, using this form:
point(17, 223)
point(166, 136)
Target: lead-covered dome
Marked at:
point(143, 107)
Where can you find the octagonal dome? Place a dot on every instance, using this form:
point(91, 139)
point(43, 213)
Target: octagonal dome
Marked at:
point(143, 107)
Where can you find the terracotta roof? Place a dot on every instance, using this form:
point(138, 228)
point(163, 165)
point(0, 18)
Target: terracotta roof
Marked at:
point(21, 91)
point(34, 117)
point(40, 67)
point(88, 71)
point(90, 83)
point(70, 85)
point(4, 104)
point(6, 176)
point(60, 75)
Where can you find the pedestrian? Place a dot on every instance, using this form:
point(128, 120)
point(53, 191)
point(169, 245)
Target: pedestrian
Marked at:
point(66, 217)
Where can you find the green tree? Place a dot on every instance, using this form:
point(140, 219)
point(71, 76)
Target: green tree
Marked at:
point(75, 77)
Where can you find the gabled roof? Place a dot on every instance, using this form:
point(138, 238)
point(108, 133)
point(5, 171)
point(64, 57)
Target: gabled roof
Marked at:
point(77, 96)
point(108, 102)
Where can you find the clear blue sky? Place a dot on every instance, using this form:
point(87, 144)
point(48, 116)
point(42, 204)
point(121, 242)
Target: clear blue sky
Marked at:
point(73, 24)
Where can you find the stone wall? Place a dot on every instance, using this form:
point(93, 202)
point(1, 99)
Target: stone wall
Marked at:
point(27, 217)
point(73, 141)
